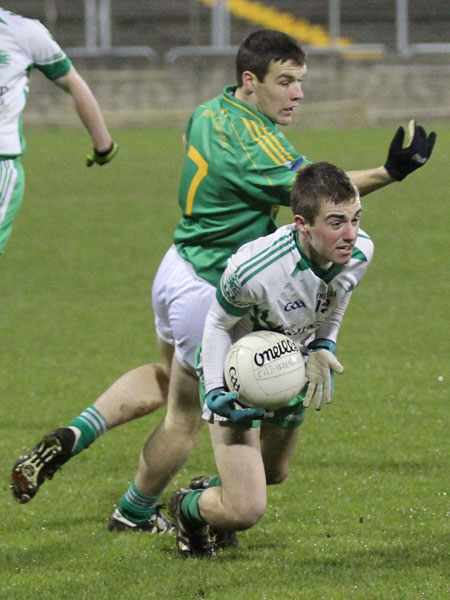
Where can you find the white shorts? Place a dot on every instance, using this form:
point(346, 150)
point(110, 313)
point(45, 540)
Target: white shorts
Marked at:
point(181, 300)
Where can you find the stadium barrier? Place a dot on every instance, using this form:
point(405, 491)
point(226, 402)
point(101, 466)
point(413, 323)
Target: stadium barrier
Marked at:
point(338, 93)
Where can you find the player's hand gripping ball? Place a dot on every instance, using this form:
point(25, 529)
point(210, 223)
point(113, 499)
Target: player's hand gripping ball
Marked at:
point(225, 404)
point(101, 158)
point(266, 369)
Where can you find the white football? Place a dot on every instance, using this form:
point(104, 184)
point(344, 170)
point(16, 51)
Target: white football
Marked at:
point(266, 369)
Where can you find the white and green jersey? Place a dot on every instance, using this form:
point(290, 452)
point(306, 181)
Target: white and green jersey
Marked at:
point(24, 44)
point(277, 287)
point(270, 284)
point(238, 170)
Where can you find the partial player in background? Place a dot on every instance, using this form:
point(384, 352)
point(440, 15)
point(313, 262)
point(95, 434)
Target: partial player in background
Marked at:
point(26, 44)
point(314, 265)
point(239, 168)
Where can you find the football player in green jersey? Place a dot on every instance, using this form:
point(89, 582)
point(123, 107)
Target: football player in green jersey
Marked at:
point(238, 169)
point(26, 43)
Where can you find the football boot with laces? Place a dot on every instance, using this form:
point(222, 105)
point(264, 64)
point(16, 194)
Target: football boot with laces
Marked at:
point(221, 538)
point(41, 463)
point(192, 540)
point(156, 523)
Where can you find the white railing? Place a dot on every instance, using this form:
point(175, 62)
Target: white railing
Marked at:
point(98, 34)
point(98, 37)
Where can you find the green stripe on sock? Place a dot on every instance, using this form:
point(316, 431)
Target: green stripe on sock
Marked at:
point(137, 506)
point(91, 424)
point(190, 509)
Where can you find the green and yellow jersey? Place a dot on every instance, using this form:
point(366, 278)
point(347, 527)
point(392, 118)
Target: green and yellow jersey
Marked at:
point(238, 170)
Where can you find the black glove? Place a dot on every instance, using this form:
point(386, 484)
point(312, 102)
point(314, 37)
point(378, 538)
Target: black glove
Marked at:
point(403, 161)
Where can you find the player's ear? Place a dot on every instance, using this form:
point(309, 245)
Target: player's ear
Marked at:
point(301, 224)
point(248, 81)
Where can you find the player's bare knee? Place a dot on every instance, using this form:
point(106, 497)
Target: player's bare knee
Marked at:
point(245, 514)
point(244, 519)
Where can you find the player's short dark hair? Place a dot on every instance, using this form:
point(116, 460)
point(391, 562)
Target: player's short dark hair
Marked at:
point(261, 47)
point(317, 182)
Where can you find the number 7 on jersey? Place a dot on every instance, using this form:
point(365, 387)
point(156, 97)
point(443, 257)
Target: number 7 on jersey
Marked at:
point(202, 171)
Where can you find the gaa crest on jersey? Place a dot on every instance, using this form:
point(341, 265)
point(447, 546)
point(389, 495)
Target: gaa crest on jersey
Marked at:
point(5, 59)
point(231, 287)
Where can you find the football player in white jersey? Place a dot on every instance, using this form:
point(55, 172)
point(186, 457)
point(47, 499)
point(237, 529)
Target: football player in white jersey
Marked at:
point(297, 281)
point(25, 44)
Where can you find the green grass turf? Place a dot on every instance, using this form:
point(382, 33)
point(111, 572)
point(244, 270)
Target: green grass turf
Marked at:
point(365, 511)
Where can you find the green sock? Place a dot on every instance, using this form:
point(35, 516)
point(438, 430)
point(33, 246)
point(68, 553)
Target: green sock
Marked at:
point(190, 509)
point(91, 425)
point(136, 506)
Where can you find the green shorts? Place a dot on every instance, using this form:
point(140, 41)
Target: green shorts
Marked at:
point(287, 417)
point(12, 185)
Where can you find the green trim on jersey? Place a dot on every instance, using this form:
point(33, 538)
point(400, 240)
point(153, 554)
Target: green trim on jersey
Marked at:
point(9, 156)
point(249, 269)
point(305, 263)
point(265, 258)
point(231, 309)
point(325, 275)
point(358, 255)
point(239, 169)
point(59, 67)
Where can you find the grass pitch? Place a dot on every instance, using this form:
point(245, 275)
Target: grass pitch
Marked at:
point(365, 511)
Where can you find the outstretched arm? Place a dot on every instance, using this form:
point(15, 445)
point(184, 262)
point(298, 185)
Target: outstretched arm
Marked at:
point(400, 161)
point(370, 180)
point(90, 115)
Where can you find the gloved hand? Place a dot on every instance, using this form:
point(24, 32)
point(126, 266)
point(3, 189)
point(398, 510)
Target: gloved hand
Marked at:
point(101, 158)
point(403, 161)
point(318, 375)
point(222, 403)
